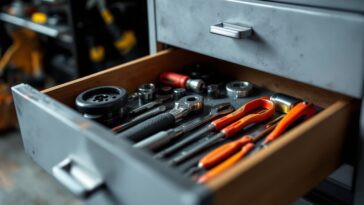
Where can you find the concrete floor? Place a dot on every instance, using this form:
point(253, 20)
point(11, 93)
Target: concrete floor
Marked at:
point(22, 182)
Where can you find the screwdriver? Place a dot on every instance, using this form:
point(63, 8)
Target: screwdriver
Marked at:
point(163, 137)
point(301, 110)
point(141, 118)
point(232, 129)
point(221, 153)
point(182, 81)
point(213, 126)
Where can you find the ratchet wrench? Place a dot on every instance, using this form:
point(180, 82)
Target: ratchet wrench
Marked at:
point(182, 108)
point(213, 126)
point(267, 111)
point(163, 137)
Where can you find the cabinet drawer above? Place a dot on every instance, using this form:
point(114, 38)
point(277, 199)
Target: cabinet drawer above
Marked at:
point(321, 47)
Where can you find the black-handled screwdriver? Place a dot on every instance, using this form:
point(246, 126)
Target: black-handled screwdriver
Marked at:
point(163, 137)
point(183, 107)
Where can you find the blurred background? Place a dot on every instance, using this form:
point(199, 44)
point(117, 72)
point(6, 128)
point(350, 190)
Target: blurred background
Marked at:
point(48, 42)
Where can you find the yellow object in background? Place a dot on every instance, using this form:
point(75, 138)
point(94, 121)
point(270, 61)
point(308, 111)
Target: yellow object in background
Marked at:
point(97, 54)
point(126, 42)
point(24, 54)
point(39, 17)
point(107, 16)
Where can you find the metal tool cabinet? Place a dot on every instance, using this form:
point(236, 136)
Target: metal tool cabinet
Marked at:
point(308, 52)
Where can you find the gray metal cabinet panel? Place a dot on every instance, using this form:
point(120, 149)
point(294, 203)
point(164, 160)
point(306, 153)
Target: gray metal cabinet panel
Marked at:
point(315, 46)
point(349, 5)
point(52, 132)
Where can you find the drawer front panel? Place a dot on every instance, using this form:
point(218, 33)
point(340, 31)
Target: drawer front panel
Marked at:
point(52, 132)
point(315, 46)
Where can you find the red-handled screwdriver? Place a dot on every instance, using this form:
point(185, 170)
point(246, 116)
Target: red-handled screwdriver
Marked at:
point(182, 81)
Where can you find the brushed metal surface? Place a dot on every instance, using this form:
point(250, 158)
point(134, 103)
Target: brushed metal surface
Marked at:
point(52, 132)
point(315, 46)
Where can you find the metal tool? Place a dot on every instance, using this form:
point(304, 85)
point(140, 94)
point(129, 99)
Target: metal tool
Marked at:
point(238, 89)
point(140, 118)
point(165, 90)
point(213, 126)
point(133, 96)
point(182, 81)
point(178, 93)
point(164, 137)
point(230, 130)
point(147, 93)
point(246, 144)
point(301, 111)
point(183, 107)
point(224, 151)
point(231, 152)
point(213, 91)
point(284, 103)
point(105, 104)
point(240, 147)
point(141, 109)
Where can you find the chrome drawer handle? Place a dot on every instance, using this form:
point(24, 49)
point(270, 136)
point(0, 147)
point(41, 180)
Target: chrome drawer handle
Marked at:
point(76, 178)
point(231, 30)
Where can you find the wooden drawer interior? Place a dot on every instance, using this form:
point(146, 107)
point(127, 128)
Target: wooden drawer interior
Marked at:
point(291, 166)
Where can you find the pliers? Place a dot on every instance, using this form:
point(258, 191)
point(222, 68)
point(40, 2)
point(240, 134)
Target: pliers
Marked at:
point(266, 110)
point(238, 149)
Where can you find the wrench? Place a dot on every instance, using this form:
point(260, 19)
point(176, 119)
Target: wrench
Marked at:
point(230, 130)
point(182, 108)
point(150, 105)
point(163, 137)
point(215, 125)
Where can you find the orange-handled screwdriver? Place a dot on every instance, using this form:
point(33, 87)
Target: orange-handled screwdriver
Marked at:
point(215, 125)
point(227, 163)
point(302, 110)
point(232, 129)
point(221, 153)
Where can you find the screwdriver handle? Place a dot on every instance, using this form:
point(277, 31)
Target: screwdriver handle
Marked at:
point(157, 140)
point(301, 110)
point(247, 120)
point(173, 79)
point(243, 110)
point(148, 127)
point(226, 164)
point(221, 153)
point(185, 141)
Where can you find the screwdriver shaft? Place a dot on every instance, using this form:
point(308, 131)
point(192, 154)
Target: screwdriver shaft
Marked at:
point(186, 141)
point(189, 153)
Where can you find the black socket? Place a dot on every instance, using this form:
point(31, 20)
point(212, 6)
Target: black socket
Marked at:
point(213, 91)
point(105, 104)
point(179, 93)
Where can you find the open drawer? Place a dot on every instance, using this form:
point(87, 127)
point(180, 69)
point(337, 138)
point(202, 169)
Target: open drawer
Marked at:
point(96, 165)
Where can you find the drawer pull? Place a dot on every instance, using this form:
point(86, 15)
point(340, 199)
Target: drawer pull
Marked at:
point(231, 30)
point(76, 178)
